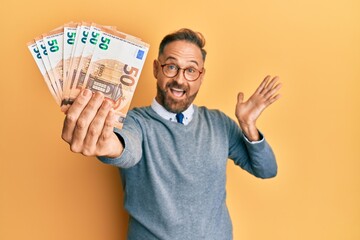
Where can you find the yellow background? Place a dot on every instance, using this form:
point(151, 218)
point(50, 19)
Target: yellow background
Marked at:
point(48, 192)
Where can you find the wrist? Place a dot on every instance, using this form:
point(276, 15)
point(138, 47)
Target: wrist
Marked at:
point(250, 130)
point(117, 147)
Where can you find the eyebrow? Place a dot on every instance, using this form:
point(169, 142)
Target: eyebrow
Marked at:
point(172, 58)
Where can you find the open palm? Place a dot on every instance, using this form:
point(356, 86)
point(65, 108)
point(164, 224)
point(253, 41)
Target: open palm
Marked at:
point(249, 111)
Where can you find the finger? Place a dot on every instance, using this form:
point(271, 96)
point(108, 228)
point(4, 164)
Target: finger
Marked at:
point(240, 97)
point(73, 114)
point(271, 83)
point(108, 128)
point(107, 132)
point(273, 99)
point(84, 121)
point(65, 108)
point(96, 128)
point(263, 84)
point(273, 91)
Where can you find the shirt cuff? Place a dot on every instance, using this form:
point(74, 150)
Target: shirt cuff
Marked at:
point(255, 142)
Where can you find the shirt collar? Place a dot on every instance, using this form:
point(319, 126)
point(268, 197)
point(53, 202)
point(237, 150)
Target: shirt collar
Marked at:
point(159, 109)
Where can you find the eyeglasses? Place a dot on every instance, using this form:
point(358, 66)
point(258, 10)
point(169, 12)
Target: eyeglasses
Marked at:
point(172, 70)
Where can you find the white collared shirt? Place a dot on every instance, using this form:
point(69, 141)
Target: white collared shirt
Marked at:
point(159, 109)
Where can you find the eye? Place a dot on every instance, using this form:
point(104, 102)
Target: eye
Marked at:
point(191, 70)
point(171, 67)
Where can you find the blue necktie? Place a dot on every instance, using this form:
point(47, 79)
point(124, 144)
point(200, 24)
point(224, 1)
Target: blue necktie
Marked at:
point(180, 117)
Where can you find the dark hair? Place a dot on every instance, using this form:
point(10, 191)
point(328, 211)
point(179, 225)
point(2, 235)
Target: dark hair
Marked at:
point(186, 35)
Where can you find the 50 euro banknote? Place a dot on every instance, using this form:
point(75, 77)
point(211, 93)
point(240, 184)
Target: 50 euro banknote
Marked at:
point(54, 46)
point(78, 74)
point(35, 52)
point(70, 30)
point(82, 34)
point(114, 69)
point(87, 55)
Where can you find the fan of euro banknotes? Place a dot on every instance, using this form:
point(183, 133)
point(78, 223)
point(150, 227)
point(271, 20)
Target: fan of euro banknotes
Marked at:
point(83, 55)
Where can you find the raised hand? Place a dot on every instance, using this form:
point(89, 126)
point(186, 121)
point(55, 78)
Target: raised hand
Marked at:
point(249, 111)
point(88, 126)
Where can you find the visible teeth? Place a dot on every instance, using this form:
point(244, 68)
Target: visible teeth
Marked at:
point(177, 89)
point(177, 92)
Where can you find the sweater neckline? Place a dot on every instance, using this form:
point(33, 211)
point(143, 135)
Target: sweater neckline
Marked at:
point(175, 124)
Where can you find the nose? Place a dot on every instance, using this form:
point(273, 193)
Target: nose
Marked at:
point(179, 78)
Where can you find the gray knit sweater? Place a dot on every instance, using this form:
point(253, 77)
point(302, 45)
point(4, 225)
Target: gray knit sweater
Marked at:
point(174, 175)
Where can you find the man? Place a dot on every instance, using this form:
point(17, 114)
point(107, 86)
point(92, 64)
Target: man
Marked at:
point(172, 155)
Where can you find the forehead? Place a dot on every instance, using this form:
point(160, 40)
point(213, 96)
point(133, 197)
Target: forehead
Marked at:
point(182, 51)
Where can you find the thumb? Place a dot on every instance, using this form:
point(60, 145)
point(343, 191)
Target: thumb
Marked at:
point(240, 97)
point(65, 108)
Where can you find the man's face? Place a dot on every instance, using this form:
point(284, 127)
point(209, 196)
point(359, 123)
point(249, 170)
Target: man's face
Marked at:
point(176, 94)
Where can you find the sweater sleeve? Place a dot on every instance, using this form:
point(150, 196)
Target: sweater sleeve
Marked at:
point(256, 158)
point(131, 136)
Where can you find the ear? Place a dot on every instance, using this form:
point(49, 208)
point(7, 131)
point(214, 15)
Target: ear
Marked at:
point(155, 68)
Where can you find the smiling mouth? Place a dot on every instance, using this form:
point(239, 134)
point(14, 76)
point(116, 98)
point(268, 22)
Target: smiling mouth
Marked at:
point(177, 92)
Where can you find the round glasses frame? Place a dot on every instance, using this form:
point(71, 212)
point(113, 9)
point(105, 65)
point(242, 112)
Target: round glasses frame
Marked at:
point(178, 70)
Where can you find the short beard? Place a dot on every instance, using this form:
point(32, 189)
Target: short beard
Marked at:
point(170, 104)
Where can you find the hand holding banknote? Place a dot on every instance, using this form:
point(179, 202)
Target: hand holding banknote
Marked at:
point(88, 126)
